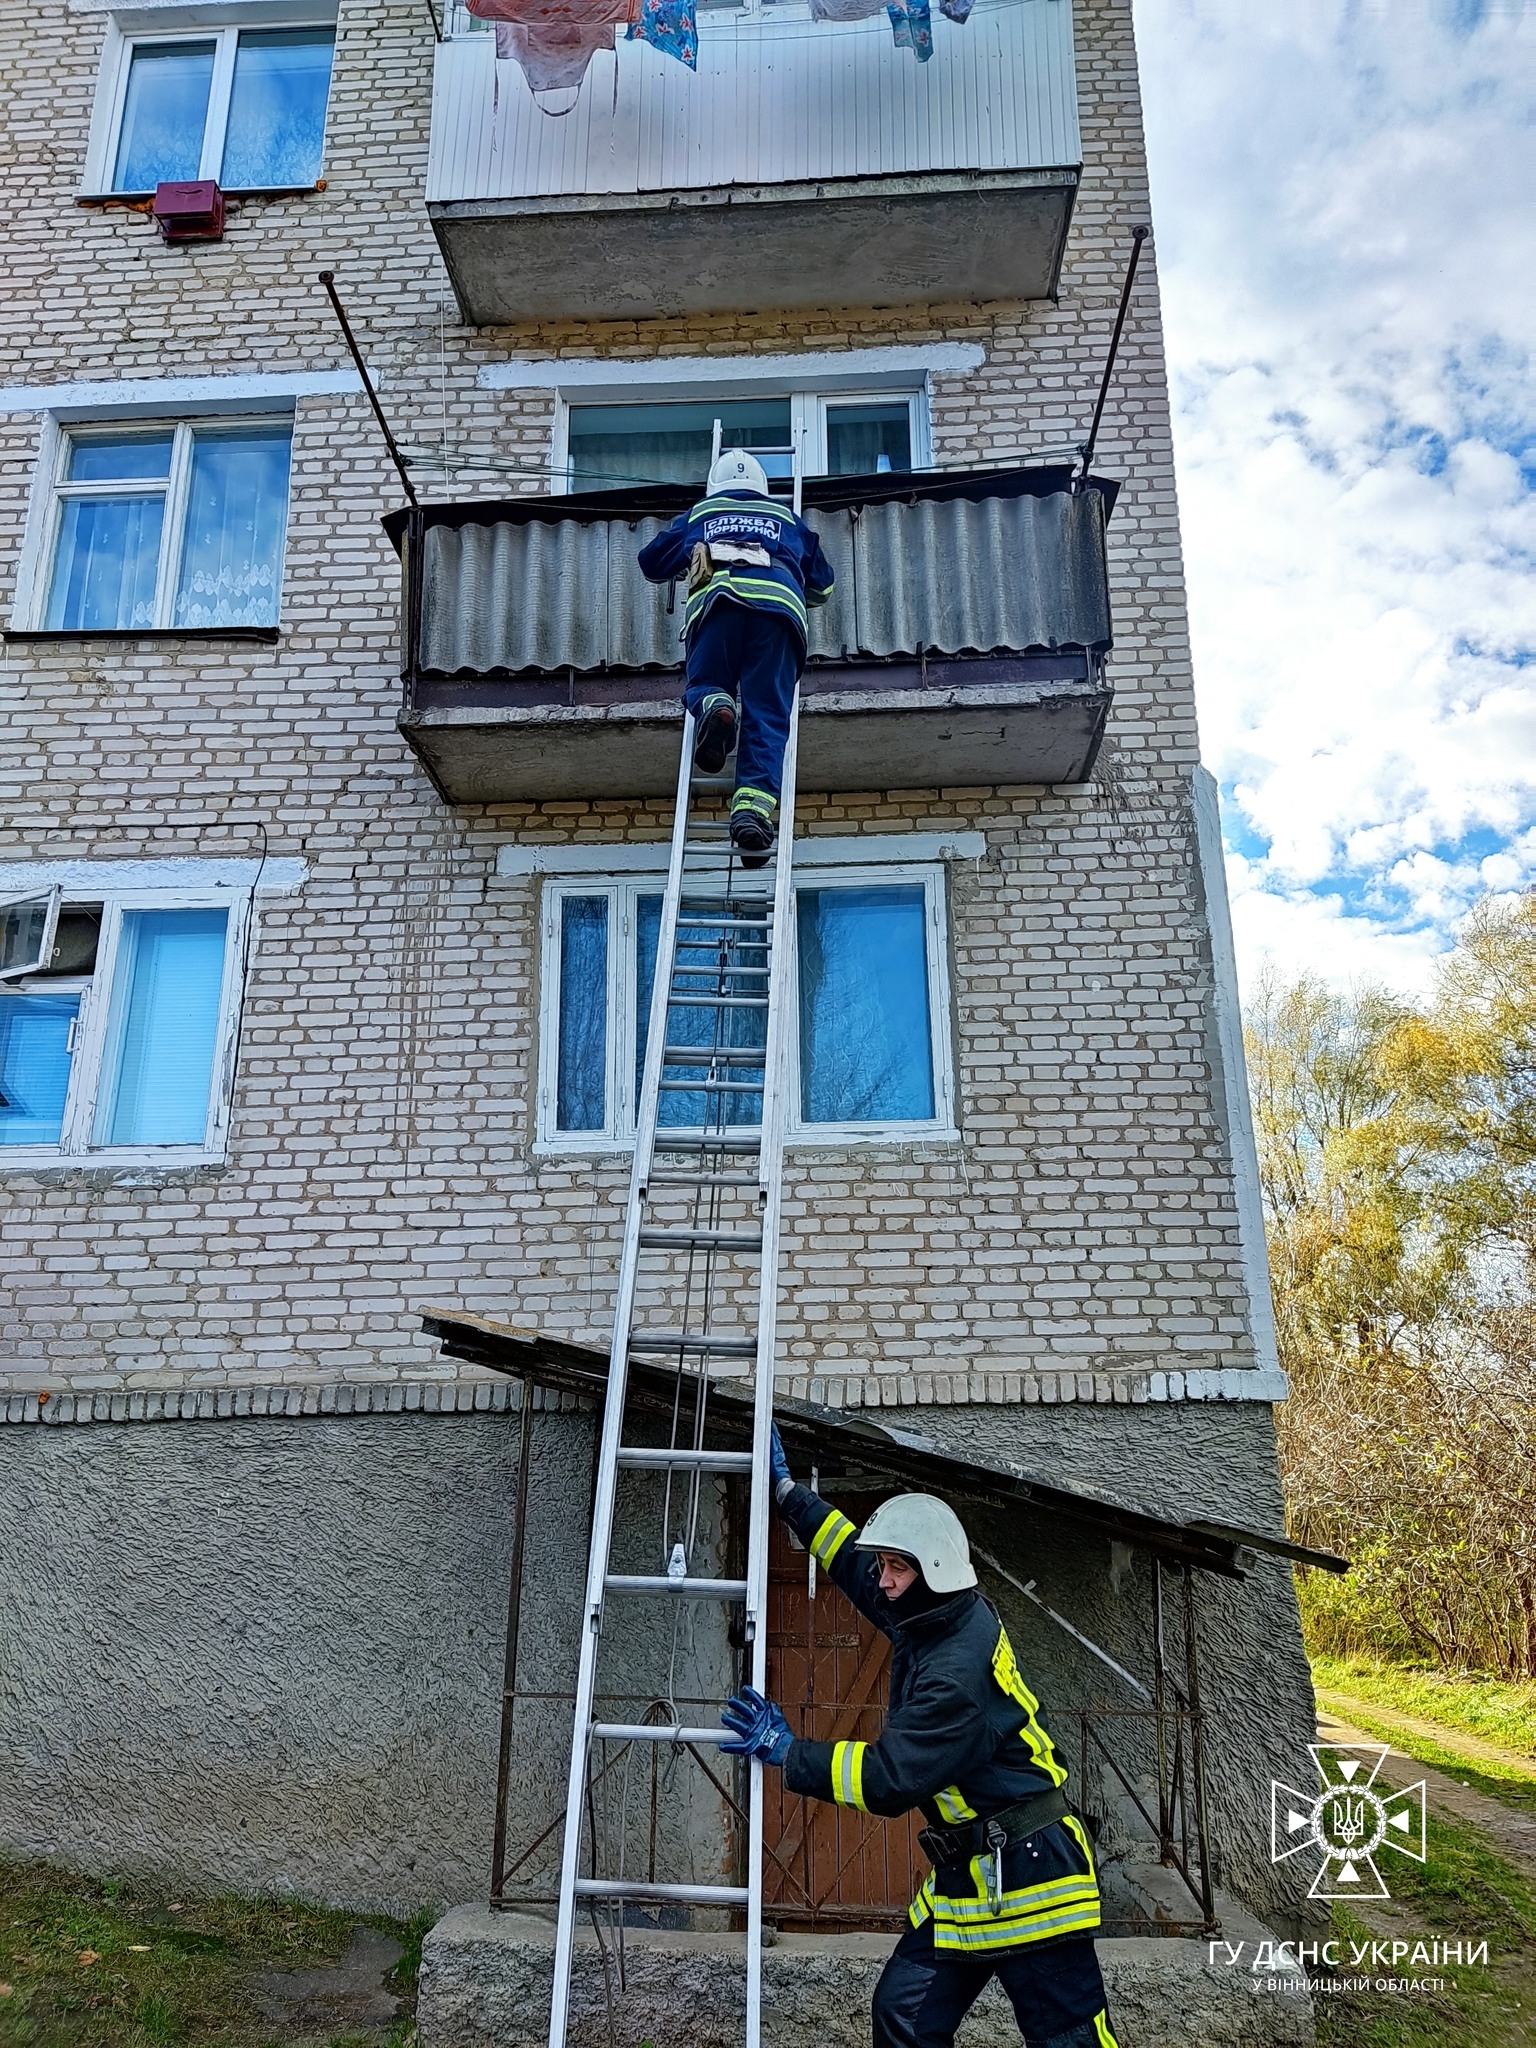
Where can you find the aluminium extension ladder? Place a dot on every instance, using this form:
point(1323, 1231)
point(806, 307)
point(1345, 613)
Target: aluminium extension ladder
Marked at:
point(738, 928)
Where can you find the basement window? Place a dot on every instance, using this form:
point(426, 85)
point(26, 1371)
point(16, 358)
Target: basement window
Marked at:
point(872, 1056)
point(242, 105)
point(115, 1044)
point(165, 526)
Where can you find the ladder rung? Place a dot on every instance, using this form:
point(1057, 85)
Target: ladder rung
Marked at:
point(696, 921)
point(647, 1731)
point(729, 1086)
point(713, 1055)
point(636, 1459)
point(661, 1894)
point(680, 1340)
point(685, 1589)
point(680, 1138)
point(701, 1240)
point(703, 1180)
point(690, 999)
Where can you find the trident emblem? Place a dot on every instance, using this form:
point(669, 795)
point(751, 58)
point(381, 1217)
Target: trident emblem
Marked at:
point(1348, 1821)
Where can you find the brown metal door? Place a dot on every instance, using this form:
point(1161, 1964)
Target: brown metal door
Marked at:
point(829, 1866)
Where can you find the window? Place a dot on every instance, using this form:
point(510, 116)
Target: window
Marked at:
point(115, 1045)
point(609, 446)
point(245, 106)
point(872, 1059)
point(167, 526)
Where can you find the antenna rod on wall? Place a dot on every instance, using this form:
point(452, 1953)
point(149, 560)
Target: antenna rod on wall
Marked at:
point(1138, 236)
point(328, 279)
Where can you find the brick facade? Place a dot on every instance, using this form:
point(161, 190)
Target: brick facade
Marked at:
point(381, 1154)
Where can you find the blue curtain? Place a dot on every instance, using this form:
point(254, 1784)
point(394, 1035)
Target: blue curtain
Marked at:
point(237, 508)
point(738, 1029)
point(277, 108)
point(164, 115)
point(165, 1015)
point(581, 1088)
point(865, 1031)
point(34, 1066)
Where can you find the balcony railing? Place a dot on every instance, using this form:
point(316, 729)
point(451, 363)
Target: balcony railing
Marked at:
point(805, 163)
point(965, 640)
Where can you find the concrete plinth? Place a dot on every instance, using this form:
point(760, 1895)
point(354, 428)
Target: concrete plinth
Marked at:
point(485, 1980)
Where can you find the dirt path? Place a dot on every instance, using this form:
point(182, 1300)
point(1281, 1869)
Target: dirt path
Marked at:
point(1512, 1833)
point(1457, 1740)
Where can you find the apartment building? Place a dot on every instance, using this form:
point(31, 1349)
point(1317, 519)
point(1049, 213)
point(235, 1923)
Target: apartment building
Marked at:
point(330, 851)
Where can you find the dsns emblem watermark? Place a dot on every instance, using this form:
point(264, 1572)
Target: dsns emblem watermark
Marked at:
point(1348, 1823)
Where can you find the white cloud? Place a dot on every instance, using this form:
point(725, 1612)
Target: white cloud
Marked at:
point(1341, 192)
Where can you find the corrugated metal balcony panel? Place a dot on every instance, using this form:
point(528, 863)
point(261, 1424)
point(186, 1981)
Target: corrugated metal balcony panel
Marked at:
point(774, 102)
point(957, 576)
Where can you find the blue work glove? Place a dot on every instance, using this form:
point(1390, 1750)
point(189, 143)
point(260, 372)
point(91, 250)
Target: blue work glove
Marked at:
point(778, 1465)
point(761, 1730)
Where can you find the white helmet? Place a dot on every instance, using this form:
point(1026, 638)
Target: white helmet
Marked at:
point(736, 470)
point(928, 1532)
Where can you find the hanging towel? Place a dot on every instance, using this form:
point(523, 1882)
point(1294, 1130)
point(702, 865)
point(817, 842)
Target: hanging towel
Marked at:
point(845, 10)
point(673, 27)
point(553, 40)
point(912, 28)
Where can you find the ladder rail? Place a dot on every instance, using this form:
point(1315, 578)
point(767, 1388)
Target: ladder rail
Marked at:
point(606, 1491)
point(776, 1075)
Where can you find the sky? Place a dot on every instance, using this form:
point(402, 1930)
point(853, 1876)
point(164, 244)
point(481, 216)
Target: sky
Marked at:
point(1343, 195)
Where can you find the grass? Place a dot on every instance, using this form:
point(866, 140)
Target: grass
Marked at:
point(1485, 1707)
point(88, 1963)
point(1413, 1692)
point(1463, 1891)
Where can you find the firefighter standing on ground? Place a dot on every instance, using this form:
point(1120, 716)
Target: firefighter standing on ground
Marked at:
point(752, 567)
point(1012, 1893)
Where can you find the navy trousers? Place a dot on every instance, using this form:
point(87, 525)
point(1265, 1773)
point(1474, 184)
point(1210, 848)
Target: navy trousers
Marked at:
point(1055, 1988)
point(756, 657)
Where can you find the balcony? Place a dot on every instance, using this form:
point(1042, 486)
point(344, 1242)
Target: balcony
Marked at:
point(964, 643)
point(806, 163)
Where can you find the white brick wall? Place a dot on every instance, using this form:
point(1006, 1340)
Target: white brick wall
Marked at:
point(381, 1157)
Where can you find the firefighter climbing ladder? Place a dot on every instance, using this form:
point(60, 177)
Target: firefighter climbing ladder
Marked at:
point(722, 955)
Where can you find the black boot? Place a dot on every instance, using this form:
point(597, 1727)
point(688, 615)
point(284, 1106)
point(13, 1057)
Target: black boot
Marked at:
point(714, 732)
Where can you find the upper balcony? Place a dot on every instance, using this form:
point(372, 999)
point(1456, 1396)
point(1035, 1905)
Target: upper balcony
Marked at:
point(964, 643)
point(808, 162)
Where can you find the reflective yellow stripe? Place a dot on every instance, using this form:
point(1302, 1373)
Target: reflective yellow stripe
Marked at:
point(994, 1935)
point(921, 1908)
point(848, 1774)
point(952, 1803)
point(830, 1538)
point(1042, 1751)
point(1101, 2024)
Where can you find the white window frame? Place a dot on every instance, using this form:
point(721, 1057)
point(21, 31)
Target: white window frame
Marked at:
point(807, 419)
point(123, 34)
point(176, 488)
point(623, 893)
point(82, 1102)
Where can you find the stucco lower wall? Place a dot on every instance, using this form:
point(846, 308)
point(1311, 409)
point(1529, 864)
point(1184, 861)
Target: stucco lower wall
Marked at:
point(267, 1655)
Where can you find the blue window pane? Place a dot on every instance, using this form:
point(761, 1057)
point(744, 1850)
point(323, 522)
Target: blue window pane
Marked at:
point(734, 1029)
point(164, 115)
point(581, 1088)
point(106, 563)
point(34, 1066)
point(237, 509)
point(111, 460)
point(163, 1030)
point(620, 444)
point(277, 108)
point(865, 1035)
point(865, 439)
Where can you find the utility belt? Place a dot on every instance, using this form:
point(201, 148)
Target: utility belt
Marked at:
point(708, 556)
point(991, 1836)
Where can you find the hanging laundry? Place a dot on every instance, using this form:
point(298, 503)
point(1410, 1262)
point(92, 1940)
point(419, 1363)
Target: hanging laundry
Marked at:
point(912, 28)
point(672, 26)
point(553, 40)
point(957, 10)
point(845, 10)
